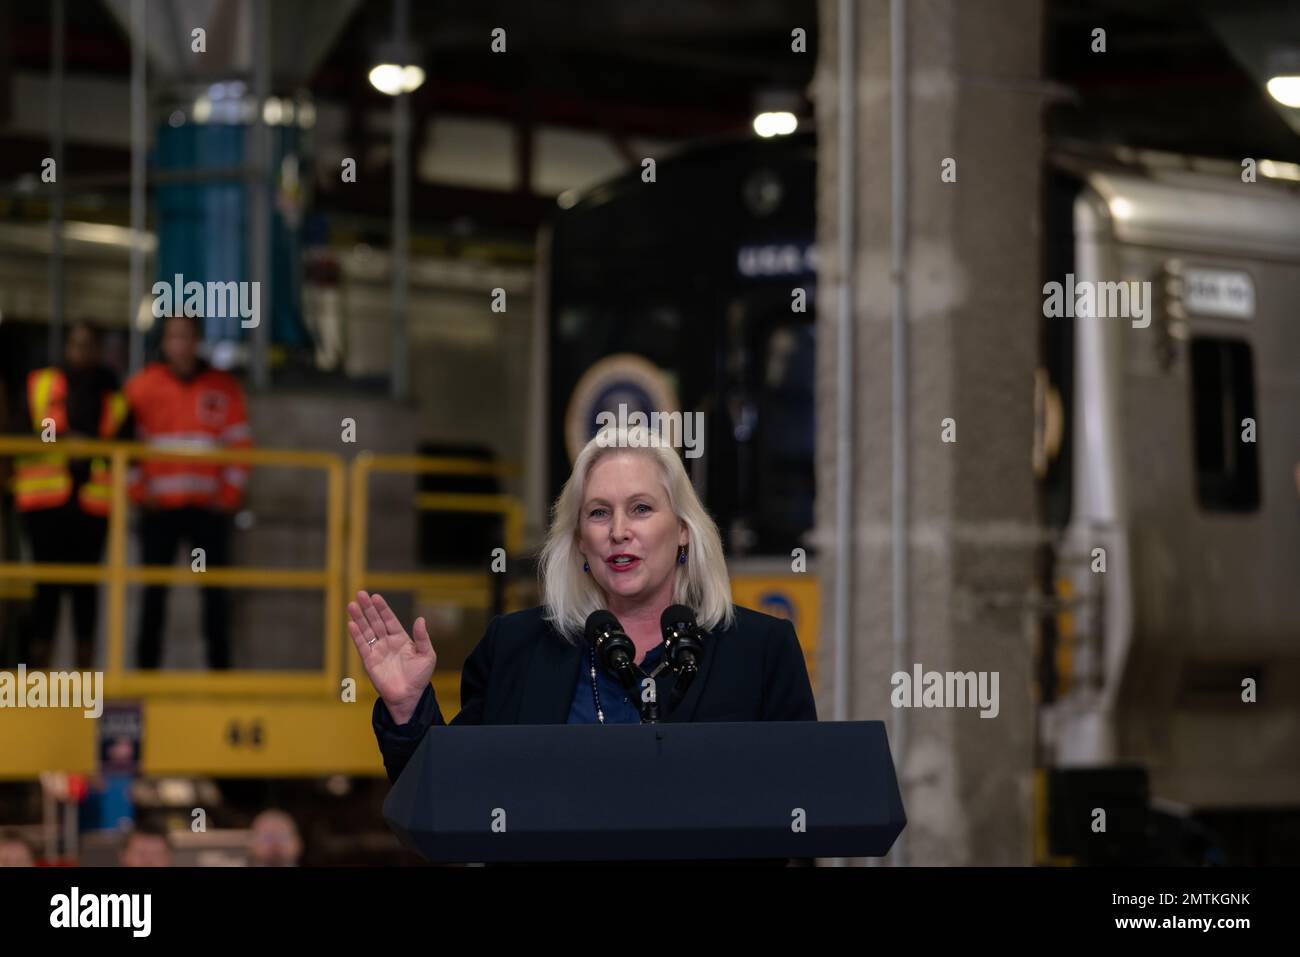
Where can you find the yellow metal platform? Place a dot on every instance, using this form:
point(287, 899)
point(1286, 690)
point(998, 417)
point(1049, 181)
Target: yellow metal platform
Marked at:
point(284, 724)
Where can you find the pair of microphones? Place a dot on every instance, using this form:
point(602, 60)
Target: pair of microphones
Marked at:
point(683, 649)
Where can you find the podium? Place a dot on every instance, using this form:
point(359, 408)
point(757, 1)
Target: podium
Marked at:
point(675, 791)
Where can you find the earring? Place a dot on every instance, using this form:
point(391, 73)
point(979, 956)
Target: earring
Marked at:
point(586, 567)
point(681, 556)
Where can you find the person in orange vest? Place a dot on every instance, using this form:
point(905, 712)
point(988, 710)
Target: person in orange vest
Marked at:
point(182, 402)
point(64, 502)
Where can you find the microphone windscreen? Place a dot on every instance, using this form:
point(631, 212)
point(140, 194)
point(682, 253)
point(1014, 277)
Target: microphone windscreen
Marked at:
point(676, 615)
point(600, 620)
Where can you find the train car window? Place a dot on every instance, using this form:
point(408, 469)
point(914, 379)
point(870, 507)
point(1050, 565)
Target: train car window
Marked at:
point(1223, 394)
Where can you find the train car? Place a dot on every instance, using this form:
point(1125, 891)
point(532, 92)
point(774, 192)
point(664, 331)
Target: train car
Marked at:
point(696, 293)
point(1176, 491)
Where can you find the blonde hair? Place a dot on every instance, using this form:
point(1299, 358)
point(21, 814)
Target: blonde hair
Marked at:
point(570, 595)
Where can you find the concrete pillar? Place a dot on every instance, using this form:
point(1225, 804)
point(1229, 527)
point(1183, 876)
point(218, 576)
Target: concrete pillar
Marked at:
point(973, 292)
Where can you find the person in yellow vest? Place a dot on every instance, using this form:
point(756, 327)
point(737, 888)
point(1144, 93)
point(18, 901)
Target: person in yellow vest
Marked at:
point(63, 502)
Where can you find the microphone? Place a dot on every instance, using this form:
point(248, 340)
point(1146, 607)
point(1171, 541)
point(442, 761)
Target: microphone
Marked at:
point(682, 647)
point(613, 647)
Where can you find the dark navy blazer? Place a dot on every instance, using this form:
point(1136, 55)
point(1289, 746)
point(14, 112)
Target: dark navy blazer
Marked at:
point(524, 672)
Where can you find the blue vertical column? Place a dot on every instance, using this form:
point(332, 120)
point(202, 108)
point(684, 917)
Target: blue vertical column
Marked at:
point(203, 222)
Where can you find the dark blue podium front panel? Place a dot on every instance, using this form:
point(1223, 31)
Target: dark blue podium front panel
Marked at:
point(675, 791)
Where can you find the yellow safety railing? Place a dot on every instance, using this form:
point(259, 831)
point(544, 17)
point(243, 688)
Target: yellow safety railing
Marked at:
point(343, 573)
point(468, 589)
point(117, 574)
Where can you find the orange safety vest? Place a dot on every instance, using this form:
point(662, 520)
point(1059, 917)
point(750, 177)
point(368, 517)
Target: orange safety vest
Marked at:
point(44, 481)
point(206, 411)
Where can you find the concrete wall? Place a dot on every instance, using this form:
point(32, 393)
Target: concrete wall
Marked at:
point(973, 95)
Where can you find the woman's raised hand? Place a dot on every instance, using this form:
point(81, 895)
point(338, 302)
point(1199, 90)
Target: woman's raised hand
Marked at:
point(399, 667)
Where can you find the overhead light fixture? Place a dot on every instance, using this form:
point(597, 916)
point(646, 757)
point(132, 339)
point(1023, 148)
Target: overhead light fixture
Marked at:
point(1274, 169)
point(775, 124)
point(1285, 88)
point(1283, 70)
point(391, 79)
point(395, 69)
point(776, 111)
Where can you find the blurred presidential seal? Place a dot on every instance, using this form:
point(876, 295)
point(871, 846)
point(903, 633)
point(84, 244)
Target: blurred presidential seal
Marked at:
point(620, 386)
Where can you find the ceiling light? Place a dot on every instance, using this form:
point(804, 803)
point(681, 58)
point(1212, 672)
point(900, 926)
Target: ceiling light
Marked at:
point(1285, 88)
point(392, 79)
point(775, 124)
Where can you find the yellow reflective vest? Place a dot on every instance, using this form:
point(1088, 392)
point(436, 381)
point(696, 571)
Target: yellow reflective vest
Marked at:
point(44, 480)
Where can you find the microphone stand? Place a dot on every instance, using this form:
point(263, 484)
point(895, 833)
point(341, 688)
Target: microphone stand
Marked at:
point(628, 677)
point(685, 675)
point(649, 709)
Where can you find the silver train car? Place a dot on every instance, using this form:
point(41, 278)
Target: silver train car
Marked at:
point(1171, 477)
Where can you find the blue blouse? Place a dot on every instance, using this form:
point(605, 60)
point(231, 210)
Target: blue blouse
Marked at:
point(619, 708)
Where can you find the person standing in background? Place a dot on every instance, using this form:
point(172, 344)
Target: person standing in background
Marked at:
point(147, 845)
point(14, 851)
point(182, 402)
point(274, 840)
point(64, 503)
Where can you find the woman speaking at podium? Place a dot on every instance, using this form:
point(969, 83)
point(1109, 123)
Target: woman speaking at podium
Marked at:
point(628, 536)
